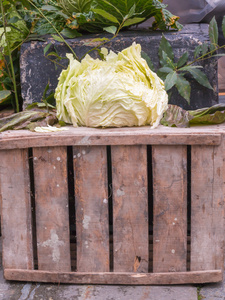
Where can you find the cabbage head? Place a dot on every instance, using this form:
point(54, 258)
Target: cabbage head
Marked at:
point(118, 91)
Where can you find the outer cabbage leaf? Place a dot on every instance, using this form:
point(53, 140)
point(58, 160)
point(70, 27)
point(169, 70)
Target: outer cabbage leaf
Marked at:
point(118, 91)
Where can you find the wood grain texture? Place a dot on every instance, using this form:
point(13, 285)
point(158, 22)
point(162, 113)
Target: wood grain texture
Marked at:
point(115, 278)
point(16, 210)
point(207, 207)
point(84, 136)
point(170, 208)
point(130, 208)
point(91, 202)
point(52, 214)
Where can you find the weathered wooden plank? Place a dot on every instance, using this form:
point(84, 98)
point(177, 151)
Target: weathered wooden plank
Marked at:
point(114, 136)
point(207, 212)
point(115, 278)
point(16, 209)
point(170, 208)
point(52, 215)
point(91, 202)
point(130, 208)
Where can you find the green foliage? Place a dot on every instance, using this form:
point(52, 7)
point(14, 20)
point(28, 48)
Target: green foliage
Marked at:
point(175, 116)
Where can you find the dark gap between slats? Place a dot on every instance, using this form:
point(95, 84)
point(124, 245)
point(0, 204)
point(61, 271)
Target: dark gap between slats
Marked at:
point(33, 211)
point(150, 207)
point(188, 207)
point(72, 215)
point(110, 207)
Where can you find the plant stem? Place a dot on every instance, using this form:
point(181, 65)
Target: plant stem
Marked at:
point(41, 13)
point(104, 42)
point(10, 58)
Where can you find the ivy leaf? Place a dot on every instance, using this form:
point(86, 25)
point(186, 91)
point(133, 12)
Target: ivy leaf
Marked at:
point(148, 60)
point(182, 60)
point(200, 77)
point(133, 21)
point(171, 80)
point(183, 87)
point(111, 29)
point(213, 31)
point(165, 46)
point(105, 15)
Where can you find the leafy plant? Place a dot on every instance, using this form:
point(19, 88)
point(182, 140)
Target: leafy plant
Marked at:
point(176, 116)
point(174, 73)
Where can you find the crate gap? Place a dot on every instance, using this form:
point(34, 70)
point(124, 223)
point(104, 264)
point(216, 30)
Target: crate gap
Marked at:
point(188, 207)
point(110, 206)
point(72, 209)
point(150, 207)
point(33, 207)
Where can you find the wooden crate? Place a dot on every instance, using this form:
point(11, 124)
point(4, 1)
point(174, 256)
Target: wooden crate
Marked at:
point(113, 206)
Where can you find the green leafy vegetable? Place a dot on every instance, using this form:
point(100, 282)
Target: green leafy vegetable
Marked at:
point(118, 91)
point(175, 116)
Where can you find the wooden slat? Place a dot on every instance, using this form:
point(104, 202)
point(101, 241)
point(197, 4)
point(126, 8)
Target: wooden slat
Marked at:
point(51, 200)
point(115, 278)
point(209, 135)
point(130, 208)
point(16, 210)
point(207, 212)
point(91, 198)
point(170, 208)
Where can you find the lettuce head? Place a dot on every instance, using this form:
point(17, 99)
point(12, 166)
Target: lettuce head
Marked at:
point(118, 91)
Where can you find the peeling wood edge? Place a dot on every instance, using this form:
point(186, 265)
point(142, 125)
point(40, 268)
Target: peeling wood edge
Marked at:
point(117, 278)
point(52, 140)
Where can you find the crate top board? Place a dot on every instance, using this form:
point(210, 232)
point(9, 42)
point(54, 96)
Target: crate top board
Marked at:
point(85, 136)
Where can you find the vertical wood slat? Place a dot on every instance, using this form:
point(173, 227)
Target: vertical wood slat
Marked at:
point(51, 203)
point(170, 208)
point(207, 212)
point(91, 202)
point(130, 208)
point(16, 209)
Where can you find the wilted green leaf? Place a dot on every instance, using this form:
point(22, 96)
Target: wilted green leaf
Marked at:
point(213, 31)
point(105, 15)
point(176, 116)
point(132, 21)
point(57, 38)
point(165, 70)
point(208, 115)
point(223, 26)
point(131, 12)
point(197, 51)
point(4, 95)
point(182, 60)
point(205, 48)
point(183, 87)
point(110, 29)
point(70, 33)
point(200, 77)
point(171, 80)
point(148, 60)
point(47, 48)
point(165, 46)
